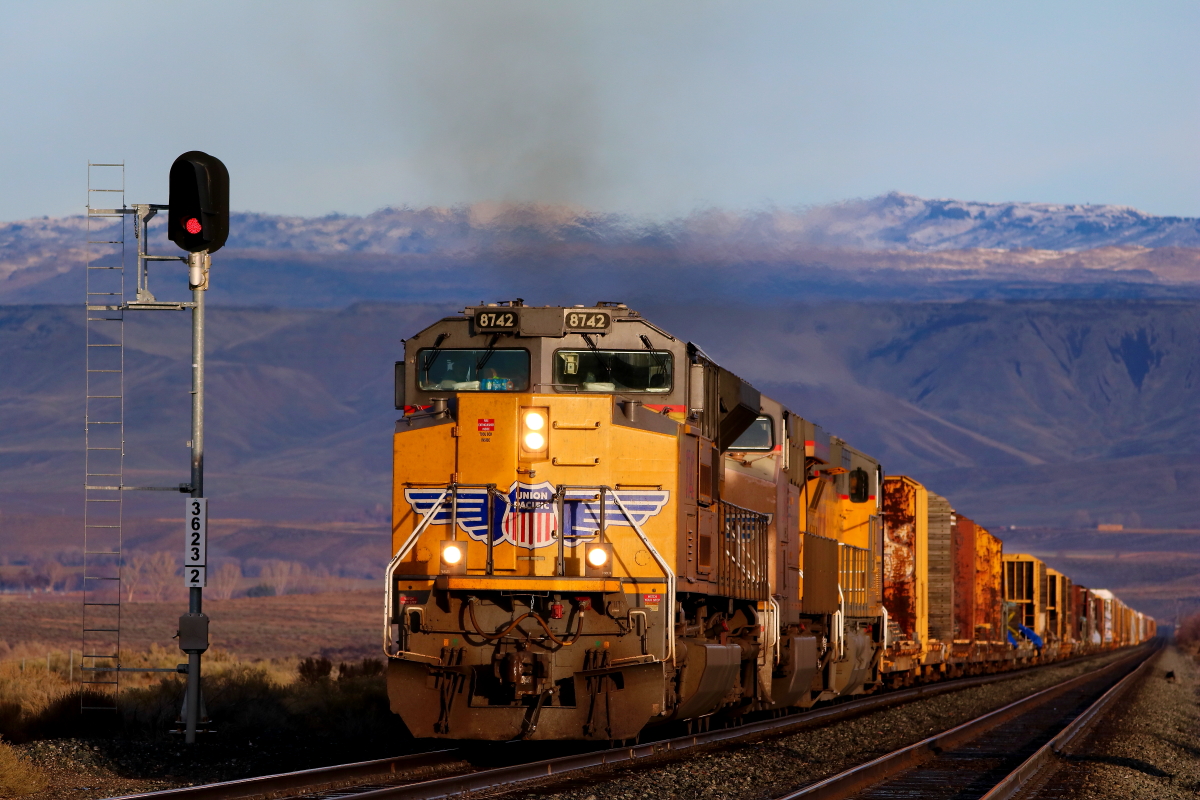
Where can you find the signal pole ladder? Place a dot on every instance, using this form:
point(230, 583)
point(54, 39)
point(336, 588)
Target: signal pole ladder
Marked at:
point(104, 431)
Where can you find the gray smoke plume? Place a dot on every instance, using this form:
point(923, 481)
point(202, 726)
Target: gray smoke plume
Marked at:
point(508, 107)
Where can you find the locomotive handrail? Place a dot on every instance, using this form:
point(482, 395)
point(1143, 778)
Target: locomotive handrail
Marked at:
point(558, 501)
point(841, 623)
point(777, 613)
point(390, 587)
point(667, 571)
point(411, 541)
point(742, 549)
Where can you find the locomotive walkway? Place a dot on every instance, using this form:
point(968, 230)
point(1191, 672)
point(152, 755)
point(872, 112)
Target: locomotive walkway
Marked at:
point(454, 772)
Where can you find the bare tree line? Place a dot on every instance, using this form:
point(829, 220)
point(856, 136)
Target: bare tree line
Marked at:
point(156, 577)
point(154, 574)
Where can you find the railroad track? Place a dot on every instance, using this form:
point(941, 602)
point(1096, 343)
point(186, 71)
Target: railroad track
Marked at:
point(996, 756)
point(454, 772)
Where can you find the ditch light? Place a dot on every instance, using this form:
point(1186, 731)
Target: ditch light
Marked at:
point(598, 560)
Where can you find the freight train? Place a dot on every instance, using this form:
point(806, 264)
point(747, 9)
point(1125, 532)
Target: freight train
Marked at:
point(597, 529)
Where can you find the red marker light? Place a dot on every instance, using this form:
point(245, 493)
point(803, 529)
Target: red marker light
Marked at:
point(192, 225)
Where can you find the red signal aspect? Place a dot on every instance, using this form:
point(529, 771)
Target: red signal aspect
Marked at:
point(192, 225)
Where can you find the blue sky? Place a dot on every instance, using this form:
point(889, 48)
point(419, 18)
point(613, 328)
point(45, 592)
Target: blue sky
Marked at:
point(650, 108)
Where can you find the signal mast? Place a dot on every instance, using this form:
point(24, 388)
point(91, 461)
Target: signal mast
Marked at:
point(198, 222)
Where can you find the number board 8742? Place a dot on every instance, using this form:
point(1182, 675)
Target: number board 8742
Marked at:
point(586, 320)
point(500, 319)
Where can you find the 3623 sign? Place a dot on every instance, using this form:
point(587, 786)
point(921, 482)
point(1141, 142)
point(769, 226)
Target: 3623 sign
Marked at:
point(195, 551)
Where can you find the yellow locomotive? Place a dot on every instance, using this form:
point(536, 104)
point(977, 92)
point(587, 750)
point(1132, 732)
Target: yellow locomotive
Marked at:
point(596, 528)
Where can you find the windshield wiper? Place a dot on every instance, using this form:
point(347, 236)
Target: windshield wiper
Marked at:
point(483, 359)
point(600, 357)
point(431, 357)
point(660, 358)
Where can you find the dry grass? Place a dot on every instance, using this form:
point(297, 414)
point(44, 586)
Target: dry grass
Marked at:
point(1188, 636)
point(239, 696)
point(17, 776)
point(252, 679)
point(337, 625)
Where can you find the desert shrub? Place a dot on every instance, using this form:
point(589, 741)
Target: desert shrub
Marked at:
point(10, 716)
point(287, 697)
point(63, 717)
point(313, 670)
point(351, 709)
point(17, 776)
point(262, 590)
point(27, 693)
point(369, 668)
point(1188, 634)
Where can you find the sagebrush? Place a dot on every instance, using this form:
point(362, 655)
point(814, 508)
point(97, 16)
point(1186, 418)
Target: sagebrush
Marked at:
point(281, 697)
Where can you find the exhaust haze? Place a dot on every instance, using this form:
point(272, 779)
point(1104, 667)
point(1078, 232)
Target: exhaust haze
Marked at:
point(509, 107)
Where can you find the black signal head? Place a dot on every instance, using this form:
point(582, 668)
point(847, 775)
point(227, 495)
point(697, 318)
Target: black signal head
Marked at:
point(198, 218)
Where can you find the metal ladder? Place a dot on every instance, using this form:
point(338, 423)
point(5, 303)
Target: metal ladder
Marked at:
point(104, 436)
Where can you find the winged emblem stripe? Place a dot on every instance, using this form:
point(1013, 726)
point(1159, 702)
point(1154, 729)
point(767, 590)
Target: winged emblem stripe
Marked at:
point(526, 515)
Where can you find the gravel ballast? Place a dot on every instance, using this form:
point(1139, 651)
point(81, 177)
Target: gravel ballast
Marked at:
point(774, 766)
point(80, 769)
point(83, 769)
point(1147, 746)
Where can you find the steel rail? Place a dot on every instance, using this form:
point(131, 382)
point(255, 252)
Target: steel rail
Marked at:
point(856, 779)
point(313, 781)
point(308, 780)
point(1016, 781)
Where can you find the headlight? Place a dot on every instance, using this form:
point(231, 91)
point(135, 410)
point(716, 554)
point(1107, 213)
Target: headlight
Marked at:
point(534, 445)
point(596, 556)
point(454, 557)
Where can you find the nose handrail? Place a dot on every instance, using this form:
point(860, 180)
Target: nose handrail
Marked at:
point(559, 499)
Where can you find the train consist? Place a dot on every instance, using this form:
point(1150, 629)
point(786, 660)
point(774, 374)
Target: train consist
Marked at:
point(597, 528)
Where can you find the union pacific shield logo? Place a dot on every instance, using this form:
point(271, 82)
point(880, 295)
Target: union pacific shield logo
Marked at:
point(529, 519)
point(527, 515)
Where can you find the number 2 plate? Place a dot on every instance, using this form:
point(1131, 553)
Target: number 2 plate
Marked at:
point(195, 548)
point(195, 577)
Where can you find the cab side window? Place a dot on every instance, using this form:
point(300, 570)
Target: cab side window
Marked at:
point(860, 485)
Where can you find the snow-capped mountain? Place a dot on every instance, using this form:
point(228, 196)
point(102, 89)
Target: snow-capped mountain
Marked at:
point(885, 246)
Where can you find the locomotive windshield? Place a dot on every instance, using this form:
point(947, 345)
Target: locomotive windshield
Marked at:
point(464, 370)
point(614, 370)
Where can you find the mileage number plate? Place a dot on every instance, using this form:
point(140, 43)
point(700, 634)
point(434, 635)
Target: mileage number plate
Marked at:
point(502, 319)
point(195, 552)
point(586, 320)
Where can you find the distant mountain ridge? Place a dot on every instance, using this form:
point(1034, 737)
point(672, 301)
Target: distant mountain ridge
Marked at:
point(896, 245)
point(894, 221)
point(897, 221)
